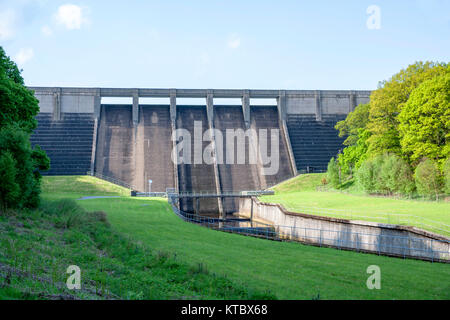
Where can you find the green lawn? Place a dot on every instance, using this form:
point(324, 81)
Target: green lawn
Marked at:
point(299, 195)
point(288, 270)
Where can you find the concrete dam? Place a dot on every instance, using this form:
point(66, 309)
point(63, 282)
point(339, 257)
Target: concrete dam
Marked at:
point(134, 143)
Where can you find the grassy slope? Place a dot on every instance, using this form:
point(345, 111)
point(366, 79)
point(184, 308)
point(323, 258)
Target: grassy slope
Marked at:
point(289, 270)
point(299, 194)
point(36, 247)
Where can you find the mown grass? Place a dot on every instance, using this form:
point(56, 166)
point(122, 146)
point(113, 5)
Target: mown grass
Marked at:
point(299, 195)
point(286, 270)
point(79, 186)
point(36, 248)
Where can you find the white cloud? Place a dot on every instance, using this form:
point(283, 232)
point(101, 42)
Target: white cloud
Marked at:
point(7, 20)
point(23, 56)
point(71, 16)
point(234, 41)
point(47, 31)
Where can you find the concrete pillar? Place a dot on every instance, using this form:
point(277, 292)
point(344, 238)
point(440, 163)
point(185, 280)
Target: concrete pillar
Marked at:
point(210, 115)
point(57, 104)
point(135, 107)
point(246, 108)
point(97, 111)
point(173, 121)
point(173, 105)
point(318, 106)
point(282, 113)
point(351, 101)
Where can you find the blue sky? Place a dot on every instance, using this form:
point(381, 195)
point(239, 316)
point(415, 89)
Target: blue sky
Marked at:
point(221, 44)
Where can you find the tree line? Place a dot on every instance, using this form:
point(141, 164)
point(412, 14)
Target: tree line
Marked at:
point(398, 143)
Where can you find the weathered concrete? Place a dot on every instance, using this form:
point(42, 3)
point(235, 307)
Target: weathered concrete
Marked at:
point(393, 240)
point(123, 140)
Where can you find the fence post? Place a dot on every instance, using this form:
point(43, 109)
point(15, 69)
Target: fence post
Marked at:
point(320, 238)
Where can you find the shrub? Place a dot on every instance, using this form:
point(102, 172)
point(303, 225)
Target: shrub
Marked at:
point(396, 175)
point(366, 175)
point(333, 173)
point(428, 178)
point(9, 189)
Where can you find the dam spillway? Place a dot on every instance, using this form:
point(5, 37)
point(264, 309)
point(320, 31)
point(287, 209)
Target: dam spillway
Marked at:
point(133, 143)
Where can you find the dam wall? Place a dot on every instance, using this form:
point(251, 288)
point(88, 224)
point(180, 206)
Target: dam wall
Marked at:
point(133, 143)
point(196, 177)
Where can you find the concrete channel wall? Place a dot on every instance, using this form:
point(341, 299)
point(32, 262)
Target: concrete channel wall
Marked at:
point(385, 239)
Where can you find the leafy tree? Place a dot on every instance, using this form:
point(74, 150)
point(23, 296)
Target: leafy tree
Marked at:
point(425, 120)
point(428, 178)
point(396, 175)
point(366, 176)
point(9, 189)
point(17, 103)
point(354, 155)
point(388, 100)
point(353, 124)
point(20, 163)
point(333, 173)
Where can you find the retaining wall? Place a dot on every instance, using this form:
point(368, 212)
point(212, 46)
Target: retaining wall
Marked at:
point(392, 240)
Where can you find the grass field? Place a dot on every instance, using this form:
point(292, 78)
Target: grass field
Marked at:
point(299, 195)
point(286, 270)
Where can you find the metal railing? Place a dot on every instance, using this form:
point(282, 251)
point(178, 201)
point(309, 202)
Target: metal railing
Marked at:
point(381, 244)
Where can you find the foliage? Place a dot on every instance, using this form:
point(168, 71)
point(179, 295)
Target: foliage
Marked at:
point(17, 103)
point(387, 102)
point(18, 107)
point(26, 162)
point(333, 173)
point(9, 189)
point(446, 172)
point(396, 175)
point(428, 178)
point(354, 155)
point(424, 121)
point(353, 124)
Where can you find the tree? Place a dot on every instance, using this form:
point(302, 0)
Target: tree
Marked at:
point(365, 176)
point(424, 121)
point(333, 173)
point(9, 189)
point(20, 163)
point(17, 103)
point(353, 124)
point(396, 175)
point(428, 178)
point(354, 155)
point(388, 100)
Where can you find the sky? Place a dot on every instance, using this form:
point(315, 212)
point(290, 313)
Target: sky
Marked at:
point(304, 45)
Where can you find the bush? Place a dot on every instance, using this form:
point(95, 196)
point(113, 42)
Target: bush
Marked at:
point(428, 178)
point(26, 162)
point(396, 175)
point(9, 189)
point(333, 173)
point(366, 176)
